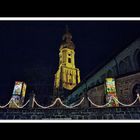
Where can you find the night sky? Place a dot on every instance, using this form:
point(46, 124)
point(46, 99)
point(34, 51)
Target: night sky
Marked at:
point(29, 50)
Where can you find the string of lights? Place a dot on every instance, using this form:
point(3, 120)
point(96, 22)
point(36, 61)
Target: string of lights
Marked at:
point(70, 107)
point(127, 104)
point(100, 105)
point(73, 105)
point(112, 97)
point(43, 107)
point(58, 99)
point(20, 106)
point(6, 104)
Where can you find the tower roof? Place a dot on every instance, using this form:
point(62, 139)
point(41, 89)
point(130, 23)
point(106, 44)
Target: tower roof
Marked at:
point(67, 42)
point(67, 36)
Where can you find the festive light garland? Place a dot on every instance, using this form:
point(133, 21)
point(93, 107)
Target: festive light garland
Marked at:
point(34, 100)
point(112, 97)
point(6, 104)
point(138, 97)
point(100, 105)
point(70, 107)
point(58, 99)
point(73, 105)
point(21, 106)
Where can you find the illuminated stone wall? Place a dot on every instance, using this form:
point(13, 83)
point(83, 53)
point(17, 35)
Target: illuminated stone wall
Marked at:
point(119, 113)
point(97, 94)
point(124, 87)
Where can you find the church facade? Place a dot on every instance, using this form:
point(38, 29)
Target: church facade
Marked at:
point(124, 67)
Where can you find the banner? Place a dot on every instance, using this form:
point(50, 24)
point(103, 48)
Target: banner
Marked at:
point(18, 94)
point(17, 88)
point(111, 91)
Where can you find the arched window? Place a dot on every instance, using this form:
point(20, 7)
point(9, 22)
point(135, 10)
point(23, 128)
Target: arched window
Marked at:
point(115, 72)
point(69, 60)
point(128, 64)
point(122, 67)
point(137, 59)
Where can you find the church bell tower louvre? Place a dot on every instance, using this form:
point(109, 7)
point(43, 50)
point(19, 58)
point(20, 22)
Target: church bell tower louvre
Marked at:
point(67, 76)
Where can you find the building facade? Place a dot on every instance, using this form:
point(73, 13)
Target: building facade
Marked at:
point(124, 67)
point(67, 76)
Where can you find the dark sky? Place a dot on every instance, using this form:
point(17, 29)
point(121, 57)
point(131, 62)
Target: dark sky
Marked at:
point(26, 45)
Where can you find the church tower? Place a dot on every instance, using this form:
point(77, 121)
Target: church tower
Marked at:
point(67, 76)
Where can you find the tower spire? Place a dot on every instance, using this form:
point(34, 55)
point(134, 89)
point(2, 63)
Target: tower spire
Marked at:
point(67, 36)
point(67, 28)
point(67, 39)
